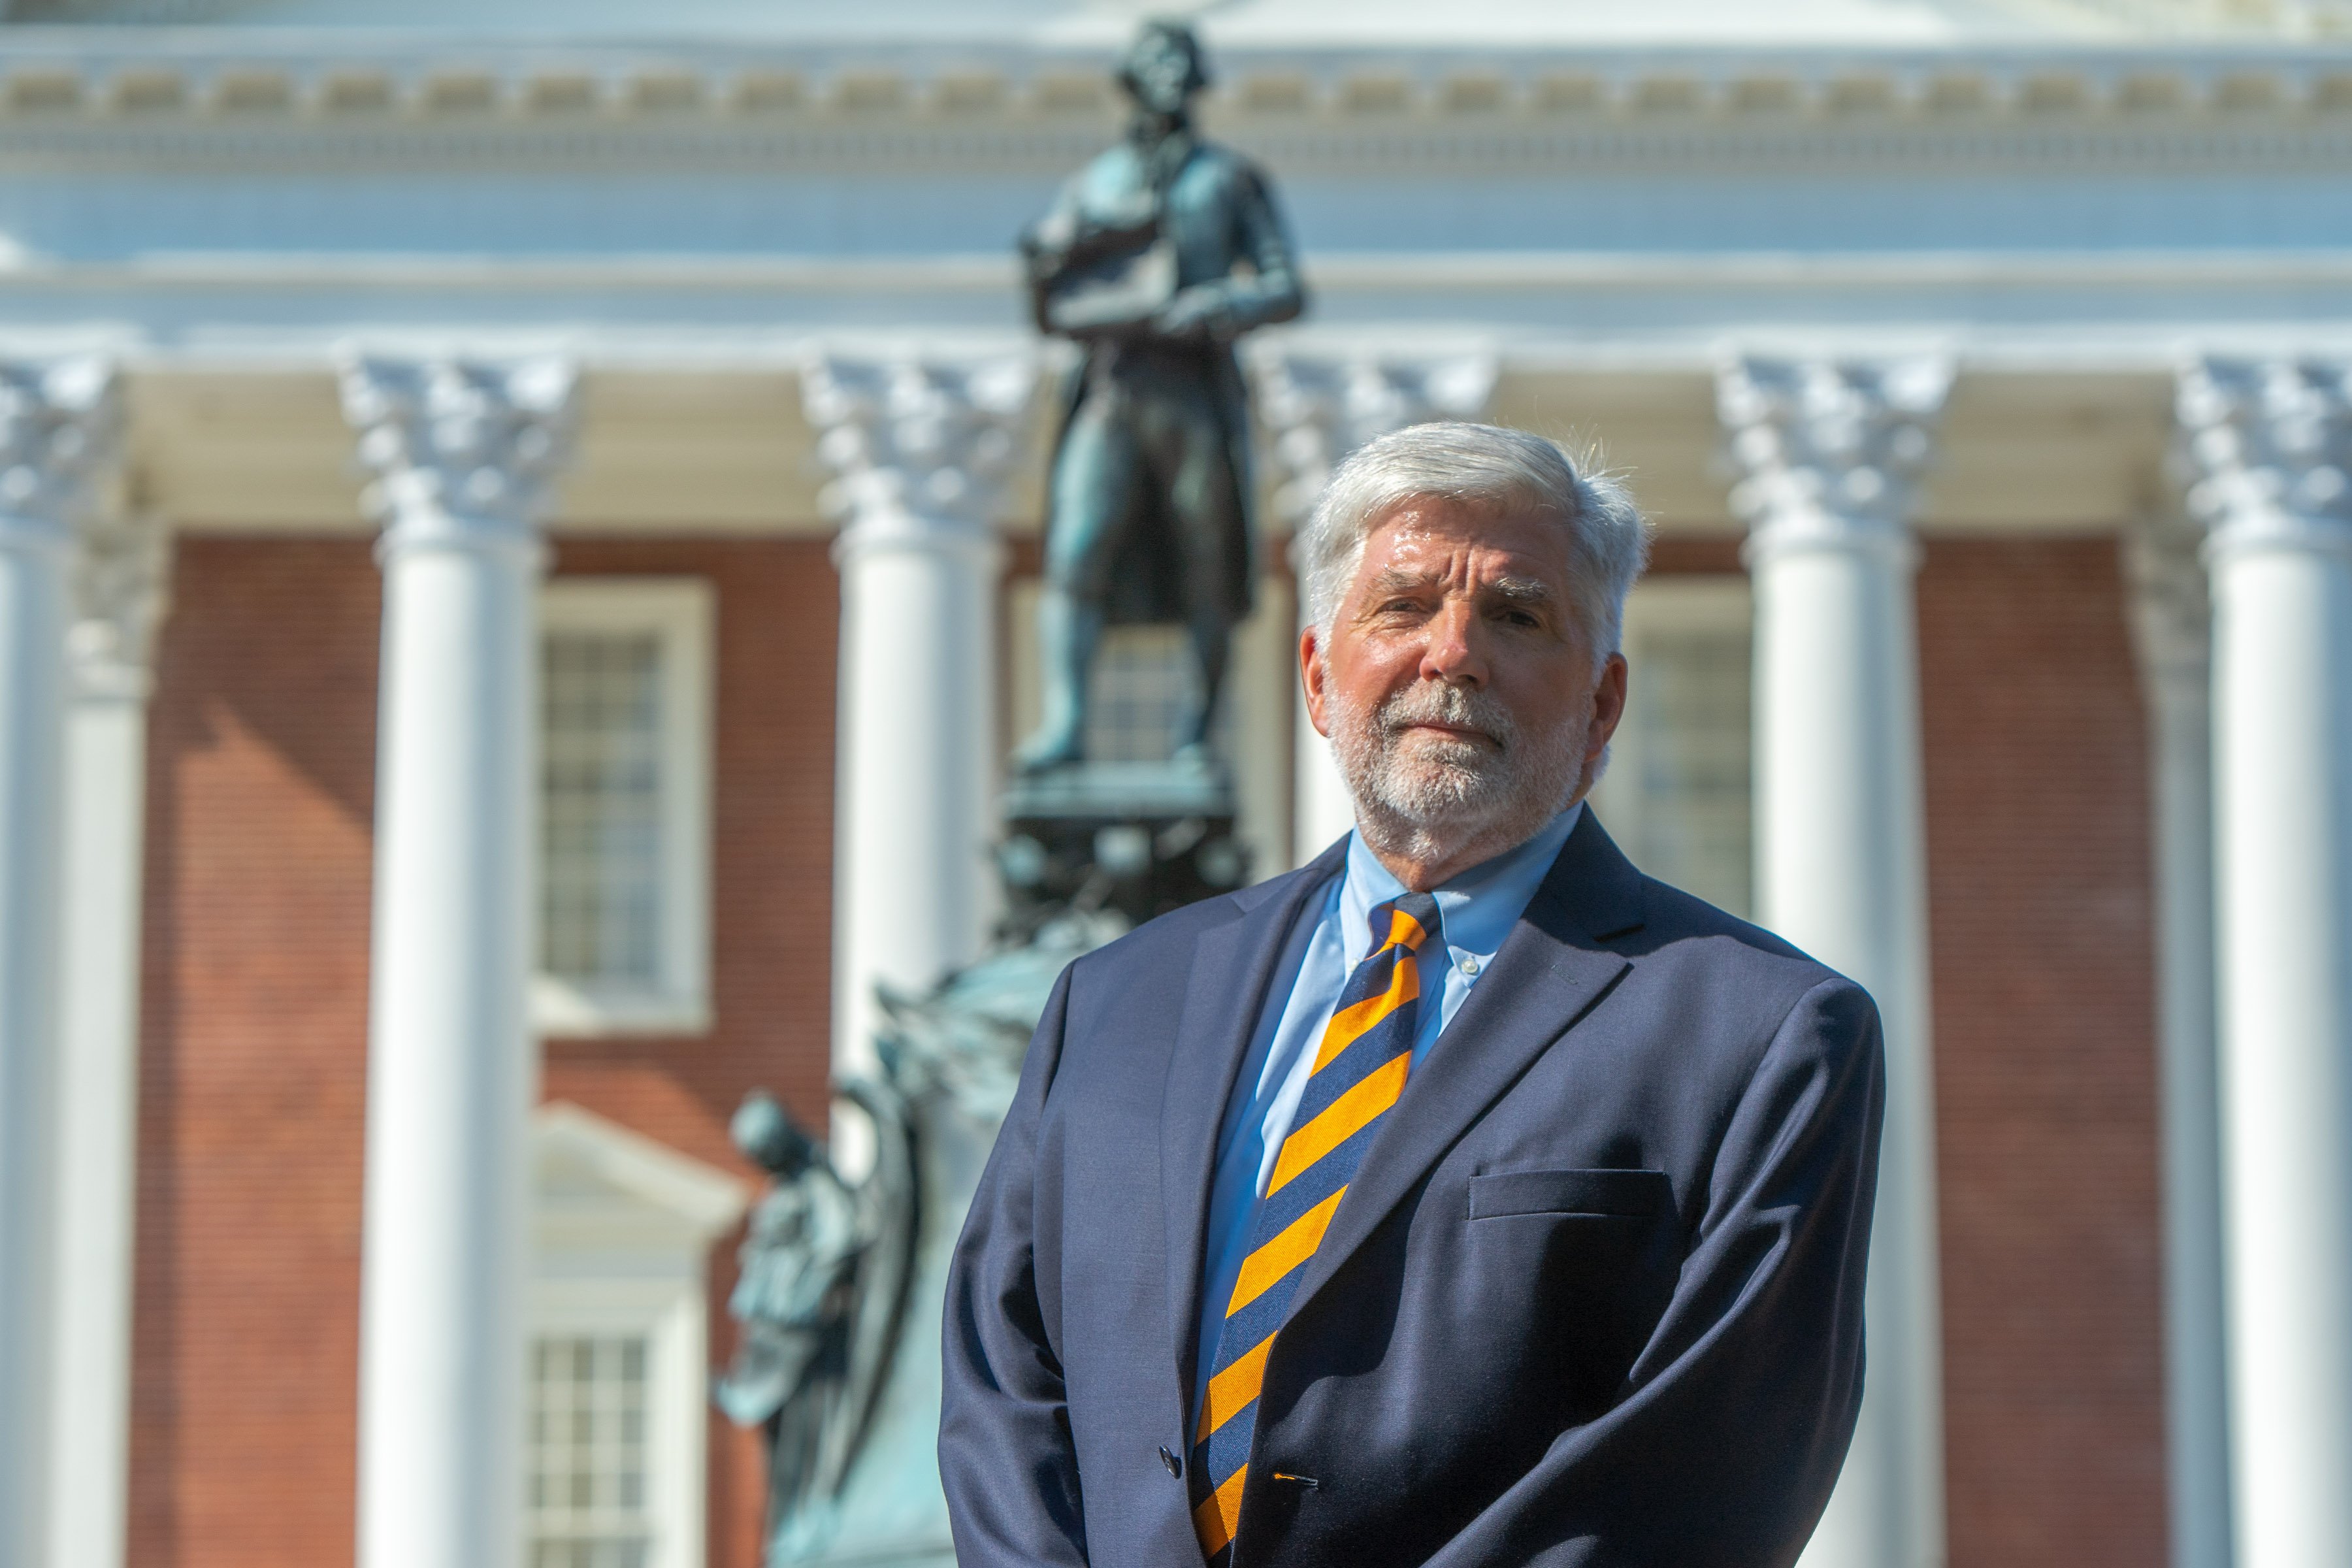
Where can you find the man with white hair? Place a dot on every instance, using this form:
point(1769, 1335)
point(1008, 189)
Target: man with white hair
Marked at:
point(1464, 1197)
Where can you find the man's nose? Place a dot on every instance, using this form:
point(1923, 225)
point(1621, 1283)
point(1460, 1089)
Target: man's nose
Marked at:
point(1453, 652)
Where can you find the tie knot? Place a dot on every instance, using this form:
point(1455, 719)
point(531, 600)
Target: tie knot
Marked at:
point(1405, 922)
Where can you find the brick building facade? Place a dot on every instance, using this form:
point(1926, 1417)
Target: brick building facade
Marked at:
point(500, 481)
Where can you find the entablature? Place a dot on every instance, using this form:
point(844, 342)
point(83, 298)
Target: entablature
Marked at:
point(226, 98)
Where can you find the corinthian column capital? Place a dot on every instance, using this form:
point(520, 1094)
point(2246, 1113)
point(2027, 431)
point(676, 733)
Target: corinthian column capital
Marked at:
point(121, 586)
point(918, 442)
point(1322, 404)
point(61, 447)
point(2262, 449)
point(461, 452)
point(1825, 453)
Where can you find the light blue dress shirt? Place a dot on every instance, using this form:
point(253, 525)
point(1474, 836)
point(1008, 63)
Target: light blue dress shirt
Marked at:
point(1476, 910)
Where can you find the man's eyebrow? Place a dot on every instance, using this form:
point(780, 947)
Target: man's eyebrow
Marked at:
point(1397, 580)
point(1511, 590)
point(1520, 590)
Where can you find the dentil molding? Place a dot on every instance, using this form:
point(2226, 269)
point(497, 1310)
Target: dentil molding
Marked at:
point(253, 98)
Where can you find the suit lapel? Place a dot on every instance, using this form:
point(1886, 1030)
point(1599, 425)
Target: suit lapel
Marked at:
point(1232, 966)
point(1551, 970)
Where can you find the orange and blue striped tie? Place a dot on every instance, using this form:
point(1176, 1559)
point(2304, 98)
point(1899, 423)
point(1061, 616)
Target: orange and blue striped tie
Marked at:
point(1359, 1070)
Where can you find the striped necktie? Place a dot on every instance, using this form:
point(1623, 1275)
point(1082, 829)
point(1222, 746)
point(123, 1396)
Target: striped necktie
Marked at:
point(1359, 1070)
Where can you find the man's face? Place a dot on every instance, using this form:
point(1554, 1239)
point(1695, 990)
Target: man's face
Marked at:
point(1159, 72)
point(1459, 690)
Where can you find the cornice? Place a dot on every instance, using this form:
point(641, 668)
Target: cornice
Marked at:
point(85, 98)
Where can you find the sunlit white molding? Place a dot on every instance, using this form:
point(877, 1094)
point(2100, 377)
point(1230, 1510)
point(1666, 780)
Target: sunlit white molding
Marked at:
point(61, 430)
point(919, 443)
point(1825, 454)
point(2267, 446)
point(462, 453)
point(1319, 405)
point(120, 587)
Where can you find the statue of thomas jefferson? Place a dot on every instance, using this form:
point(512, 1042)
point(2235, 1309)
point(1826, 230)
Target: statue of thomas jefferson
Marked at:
point(1157, 255)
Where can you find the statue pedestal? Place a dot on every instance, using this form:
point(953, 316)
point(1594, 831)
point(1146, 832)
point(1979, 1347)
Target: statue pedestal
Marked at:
point(1141, 838)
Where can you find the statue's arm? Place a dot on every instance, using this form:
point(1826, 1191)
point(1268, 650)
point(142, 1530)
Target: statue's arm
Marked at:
point(1007, 1459)
point(1262, 287)
point(1046, 248)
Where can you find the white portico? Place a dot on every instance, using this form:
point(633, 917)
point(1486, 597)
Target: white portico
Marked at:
point(1831, 294)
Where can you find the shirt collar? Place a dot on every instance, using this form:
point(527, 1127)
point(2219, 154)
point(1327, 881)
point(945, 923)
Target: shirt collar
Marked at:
point(1478, 908)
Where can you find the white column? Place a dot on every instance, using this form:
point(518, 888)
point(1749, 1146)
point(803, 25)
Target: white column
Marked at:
point(460, 452)
point(120, 577)
point(2270, 444)
point(918, 445)
point(1320, 405)
point(2169, 620)
point(59, 422)
point(1826, 454)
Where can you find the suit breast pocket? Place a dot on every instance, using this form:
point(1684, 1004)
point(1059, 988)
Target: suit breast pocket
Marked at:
point(1572, 1269)
point(1611, 1194)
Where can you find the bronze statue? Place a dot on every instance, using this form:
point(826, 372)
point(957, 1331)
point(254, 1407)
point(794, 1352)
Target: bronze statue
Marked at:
point(820, 1294)
point(1157, 255)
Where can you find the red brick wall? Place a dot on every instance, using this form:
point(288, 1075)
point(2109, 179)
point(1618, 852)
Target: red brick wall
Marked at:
point(2039, 874)
point(254, 1050)
point(253, 1064)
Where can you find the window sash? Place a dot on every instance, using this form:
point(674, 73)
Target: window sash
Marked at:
point(624, 791)
point(1678, 794)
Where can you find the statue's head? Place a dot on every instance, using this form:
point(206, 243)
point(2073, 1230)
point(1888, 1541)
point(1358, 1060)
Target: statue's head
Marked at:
point(1163, 68)
point(768, 1136)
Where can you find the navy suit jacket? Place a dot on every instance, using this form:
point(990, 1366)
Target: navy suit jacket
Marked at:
point(1594, 1298)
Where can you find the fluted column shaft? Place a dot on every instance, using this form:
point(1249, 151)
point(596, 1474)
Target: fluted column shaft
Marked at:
point(1826, 455)
point(918, 445)
point(1321, 406)
point(2270, 444)
point(59, 440)
point(2170, 623)
point(460, 452)
point(121, 568)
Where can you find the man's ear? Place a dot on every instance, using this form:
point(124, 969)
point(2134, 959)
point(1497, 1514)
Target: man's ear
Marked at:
point(1608, 702)
point(1312, 673)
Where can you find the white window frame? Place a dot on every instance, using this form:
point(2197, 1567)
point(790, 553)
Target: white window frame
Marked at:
point(679, 612)
point(1720, 602)
point(623, 1234)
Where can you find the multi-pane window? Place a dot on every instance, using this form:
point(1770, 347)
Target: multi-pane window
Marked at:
point(624, 740)
point(1676, 794)
point(1144, 683)
point(589, 1499)
point(600, 918)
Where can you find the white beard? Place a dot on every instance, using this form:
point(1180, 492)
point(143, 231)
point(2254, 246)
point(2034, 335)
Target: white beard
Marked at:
point(1433, 798)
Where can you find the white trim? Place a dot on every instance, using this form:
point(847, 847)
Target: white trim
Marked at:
point(622, 1229)
point(681, 611)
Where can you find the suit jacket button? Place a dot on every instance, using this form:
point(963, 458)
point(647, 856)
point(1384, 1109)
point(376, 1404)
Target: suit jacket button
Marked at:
point(1174, 1465)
